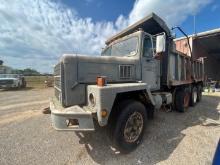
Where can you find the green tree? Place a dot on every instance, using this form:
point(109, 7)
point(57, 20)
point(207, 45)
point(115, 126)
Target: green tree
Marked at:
point(26, 72)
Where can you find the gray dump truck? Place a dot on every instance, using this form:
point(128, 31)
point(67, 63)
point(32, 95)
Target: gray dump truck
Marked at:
point(138, 72)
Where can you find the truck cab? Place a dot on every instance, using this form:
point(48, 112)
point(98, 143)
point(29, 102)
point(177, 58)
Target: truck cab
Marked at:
point(142, 46)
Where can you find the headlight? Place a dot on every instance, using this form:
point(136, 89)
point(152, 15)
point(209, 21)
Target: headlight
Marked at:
point(92, 99)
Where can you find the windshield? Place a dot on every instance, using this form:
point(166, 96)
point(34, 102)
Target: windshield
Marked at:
point(9, 76)
point(124, 48)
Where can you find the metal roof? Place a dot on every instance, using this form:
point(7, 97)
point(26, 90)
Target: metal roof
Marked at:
point(152, 24)
point(202, 34)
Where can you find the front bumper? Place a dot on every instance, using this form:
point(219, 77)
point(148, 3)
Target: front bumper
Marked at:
point(73, 118)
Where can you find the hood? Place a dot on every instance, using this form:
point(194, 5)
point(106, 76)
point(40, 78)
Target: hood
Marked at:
point(116, 69)
point(78, 71)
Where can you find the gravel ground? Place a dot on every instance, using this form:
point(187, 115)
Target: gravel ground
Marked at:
point(26, 135)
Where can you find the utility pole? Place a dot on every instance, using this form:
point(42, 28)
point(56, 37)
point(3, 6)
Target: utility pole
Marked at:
point(194, 24)
point(195, 32)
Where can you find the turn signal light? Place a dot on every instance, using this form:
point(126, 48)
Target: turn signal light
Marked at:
point(101, 81)
point(104, 113)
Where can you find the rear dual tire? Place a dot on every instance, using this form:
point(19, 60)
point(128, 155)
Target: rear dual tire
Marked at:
point(194, 96)
point(199, 93)
point(182, 99)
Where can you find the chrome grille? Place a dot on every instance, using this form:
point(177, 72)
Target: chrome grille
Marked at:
point(6, 82)
point(57, 81)
point(125, 71)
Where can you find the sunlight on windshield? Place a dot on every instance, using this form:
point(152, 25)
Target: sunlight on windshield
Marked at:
point(123, 48)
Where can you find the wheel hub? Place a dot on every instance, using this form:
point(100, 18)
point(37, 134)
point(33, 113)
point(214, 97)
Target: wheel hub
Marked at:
point(133, 127)
point(194, 96)
point(186, 100)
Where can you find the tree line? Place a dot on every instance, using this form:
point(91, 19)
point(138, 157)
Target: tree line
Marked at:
point(28, 72)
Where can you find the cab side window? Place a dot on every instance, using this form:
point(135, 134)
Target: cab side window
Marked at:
point(148, 47)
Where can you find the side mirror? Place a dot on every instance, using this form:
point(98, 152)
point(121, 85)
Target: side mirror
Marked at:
point(161, 43)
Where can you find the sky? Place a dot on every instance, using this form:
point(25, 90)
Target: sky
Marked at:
point(35, 33)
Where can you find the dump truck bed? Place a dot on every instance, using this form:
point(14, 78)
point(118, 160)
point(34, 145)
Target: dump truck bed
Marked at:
point(183, 70)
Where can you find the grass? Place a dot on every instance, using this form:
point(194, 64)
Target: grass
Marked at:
point(37, 81)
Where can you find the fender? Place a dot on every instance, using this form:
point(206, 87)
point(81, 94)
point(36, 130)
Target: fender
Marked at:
point(105, 96)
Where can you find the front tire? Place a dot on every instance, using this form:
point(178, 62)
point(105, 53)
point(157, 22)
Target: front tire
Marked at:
point(130, 126)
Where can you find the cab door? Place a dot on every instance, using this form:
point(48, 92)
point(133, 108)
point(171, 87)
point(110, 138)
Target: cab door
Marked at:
point(150, 65)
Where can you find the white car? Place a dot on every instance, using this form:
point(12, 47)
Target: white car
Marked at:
point(12, 81)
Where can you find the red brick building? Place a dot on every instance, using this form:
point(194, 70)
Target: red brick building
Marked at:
point(205, 44)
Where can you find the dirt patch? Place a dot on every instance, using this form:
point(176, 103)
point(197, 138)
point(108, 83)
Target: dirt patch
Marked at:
point(170, 138)
point(23, 104)
point(18, 117)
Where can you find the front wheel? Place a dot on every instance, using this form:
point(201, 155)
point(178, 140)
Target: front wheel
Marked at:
point(130, 126)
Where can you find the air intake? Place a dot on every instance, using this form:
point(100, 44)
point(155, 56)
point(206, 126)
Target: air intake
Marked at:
point(125, 71)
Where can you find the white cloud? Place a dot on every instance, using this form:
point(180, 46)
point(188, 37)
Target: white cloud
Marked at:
point(35, 33)
point(173, 11)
